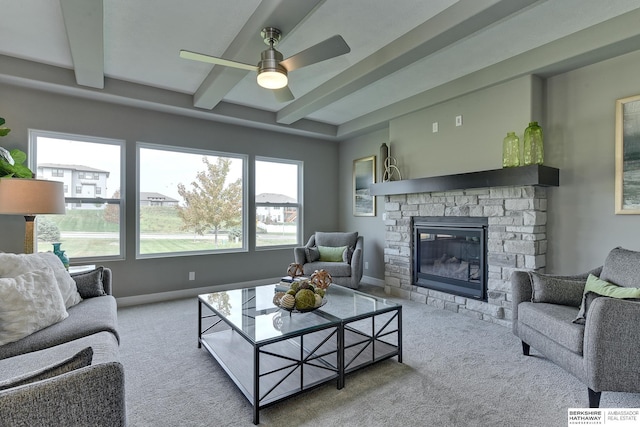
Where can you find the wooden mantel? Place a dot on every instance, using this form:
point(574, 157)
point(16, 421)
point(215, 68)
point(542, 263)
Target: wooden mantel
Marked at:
point(539, 175)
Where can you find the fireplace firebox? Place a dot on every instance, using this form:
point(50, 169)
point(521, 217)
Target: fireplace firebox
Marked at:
point(449, 255)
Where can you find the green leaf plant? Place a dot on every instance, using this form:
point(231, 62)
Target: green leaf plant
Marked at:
point(12, 162)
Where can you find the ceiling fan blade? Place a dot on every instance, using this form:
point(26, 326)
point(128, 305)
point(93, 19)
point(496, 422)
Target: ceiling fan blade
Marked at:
point(330, 48)
point(195, 56)
point(284, 94)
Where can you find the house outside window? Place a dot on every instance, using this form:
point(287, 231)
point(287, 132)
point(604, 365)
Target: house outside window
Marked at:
point(278, 189)
point(200, 207)
point(92, 228)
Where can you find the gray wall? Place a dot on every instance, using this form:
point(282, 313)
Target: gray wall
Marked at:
point(371, 228)
point(476, 145)
point(24, 109)
point(580, 141)
point(576, 110)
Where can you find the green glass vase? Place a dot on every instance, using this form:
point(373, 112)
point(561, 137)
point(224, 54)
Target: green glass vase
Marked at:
point(511, 150)
point(60, 253)
point(533, 145)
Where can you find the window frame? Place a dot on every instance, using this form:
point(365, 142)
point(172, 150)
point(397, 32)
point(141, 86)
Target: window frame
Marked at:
point(34, 134)
point(299, 205)
point(202, 152)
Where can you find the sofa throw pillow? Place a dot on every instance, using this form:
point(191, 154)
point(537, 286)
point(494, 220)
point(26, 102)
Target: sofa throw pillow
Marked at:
point(621, 267)
point(312, 253)
point(12, 265)
point(601, 287)
point(28, 303)
point(79, 360)
point(331, 254)
point(90, 283)
point(556, 290)
point(589, 297)
point(347, 255)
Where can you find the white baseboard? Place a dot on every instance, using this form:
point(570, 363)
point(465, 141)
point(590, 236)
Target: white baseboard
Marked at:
point(186, 293)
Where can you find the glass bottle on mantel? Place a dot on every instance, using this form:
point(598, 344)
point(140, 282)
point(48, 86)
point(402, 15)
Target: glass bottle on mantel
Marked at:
point(511, 150)
point(533, 146)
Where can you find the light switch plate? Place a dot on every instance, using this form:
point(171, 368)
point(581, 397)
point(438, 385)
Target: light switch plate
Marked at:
point(434, 127)
point(458, 120)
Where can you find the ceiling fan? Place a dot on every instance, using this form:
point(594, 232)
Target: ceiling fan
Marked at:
point(273, 69)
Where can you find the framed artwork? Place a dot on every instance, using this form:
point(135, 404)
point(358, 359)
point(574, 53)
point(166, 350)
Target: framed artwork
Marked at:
point(364, 173)
point(628, 155)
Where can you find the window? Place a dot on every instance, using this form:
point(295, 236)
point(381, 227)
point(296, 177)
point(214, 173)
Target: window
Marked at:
point(190, 201)
point(98, 190)
point(57, 172)
point(278, 202)
point(92, 227)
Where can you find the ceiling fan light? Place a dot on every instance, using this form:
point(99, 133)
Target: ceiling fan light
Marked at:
point(272, 79)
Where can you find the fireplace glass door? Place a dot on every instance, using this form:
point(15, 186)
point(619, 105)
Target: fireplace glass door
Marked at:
point(451, 259)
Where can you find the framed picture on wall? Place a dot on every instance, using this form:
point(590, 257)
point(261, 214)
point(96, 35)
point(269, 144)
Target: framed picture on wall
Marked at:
point(627, 180)
point(364, 173)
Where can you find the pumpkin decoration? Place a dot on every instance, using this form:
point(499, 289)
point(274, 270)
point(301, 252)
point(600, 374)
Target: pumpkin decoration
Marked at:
point(321, 279)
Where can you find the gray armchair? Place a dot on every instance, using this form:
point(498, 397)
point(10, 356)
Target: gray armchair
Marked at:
point(348, 271)
point(604, 352)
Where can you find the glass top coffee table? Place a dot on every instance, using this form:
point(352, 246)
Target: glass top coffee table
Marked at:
point(272, 354)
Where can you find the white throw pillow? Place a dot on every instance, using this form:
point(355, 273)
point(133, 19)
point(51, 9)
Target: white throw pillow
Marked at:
point(28, 303)
point(13, 265)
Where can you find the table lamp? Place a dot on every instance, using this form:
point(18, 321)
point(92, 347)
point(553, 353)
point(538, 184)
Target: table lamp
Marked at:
point(30, 197)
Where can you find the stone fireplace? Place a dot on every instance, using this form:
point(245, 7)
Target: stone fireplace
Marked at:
point(450, 255)
point(516, 236)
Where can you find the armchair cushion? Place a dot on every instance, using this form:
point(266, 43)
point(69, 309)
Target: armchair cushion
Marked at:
point(556, 290)
point(589, 297)
point(79, 360)
point(347, 255)
point(336, 238)
point(312, 253)
point(330, 253)
point(621, 267)
point(555, 322)
point(596, 287)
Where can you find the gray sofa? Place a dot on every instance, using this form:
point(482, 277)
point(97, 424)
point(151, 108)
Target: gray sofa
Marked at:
point(604, 352)
point(346, 272)
point(85, 396)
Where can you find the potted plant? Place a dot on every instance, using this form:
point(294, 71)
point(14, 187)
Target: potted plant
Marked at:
point(12, 162)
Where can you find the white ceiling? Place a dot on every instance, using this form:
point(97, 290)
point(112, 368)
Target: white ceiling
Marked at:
point(402, 52)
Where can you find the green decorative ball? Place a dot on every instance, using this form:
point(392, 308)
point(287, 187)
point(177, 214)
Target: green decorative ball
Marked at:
point(305, 299)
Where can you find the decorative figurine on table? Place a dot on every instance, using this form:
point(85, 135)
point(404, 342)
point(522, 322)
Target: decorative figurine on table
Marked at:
point(295, 270)
point(321, 279)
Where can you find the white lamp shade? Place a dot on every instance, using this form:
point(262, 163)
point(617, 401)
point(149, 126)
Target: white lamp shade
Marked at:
point(31, 197)
point(272, 79)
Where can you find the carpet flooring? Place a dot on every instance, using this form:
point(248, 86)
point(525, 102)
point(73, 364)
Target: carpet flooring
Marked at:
point(456, 371)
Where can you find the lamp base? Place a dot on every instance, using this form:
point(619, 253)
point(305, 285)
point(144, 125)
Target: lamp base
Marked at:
point(28, 234)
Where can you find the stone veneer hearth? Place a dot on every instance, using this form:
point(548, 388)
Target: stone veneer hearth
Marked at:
point(517, 240)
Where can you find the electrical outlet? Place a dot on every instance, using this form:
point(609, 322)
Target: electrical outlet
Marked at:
point(458, 120)
point(366, 265)
point(192, 275)
point(434, 127)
